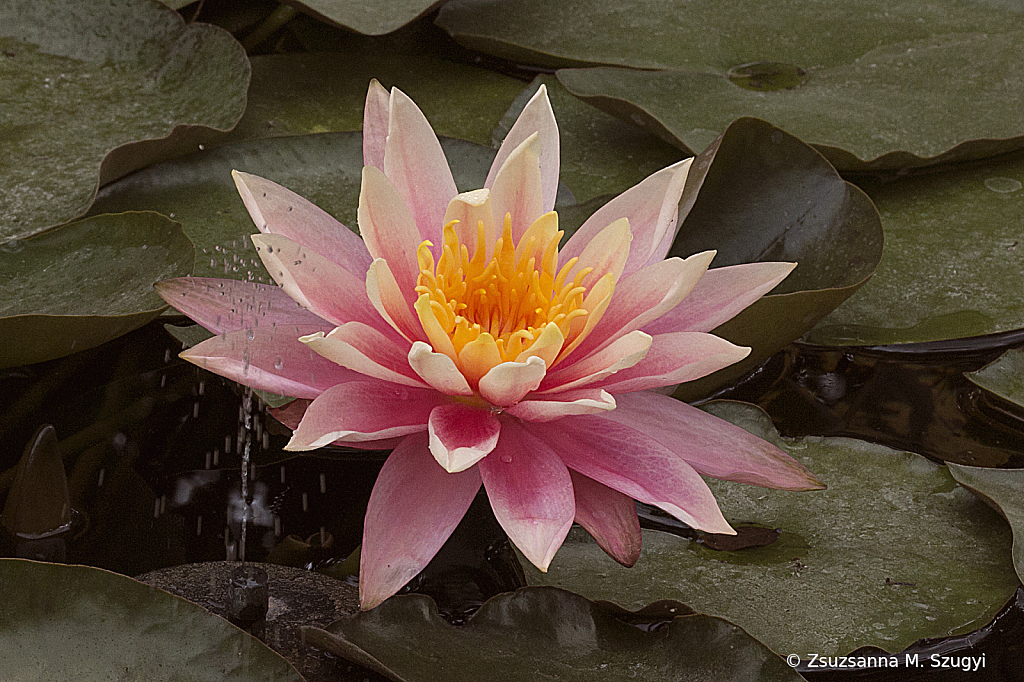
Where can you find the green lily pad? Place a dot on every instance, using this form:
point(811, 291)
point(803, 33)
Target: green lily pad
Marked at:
point(760, 194)
point(96, 90)
point(79, 285)
point(1003, 489)
point(893, 551)
point(951, 266)
point(324, 92)
point(872, 84)
point(198, 191)
point(1004, 377)
point(62, 622)
point(544, 633)
point(373, 17)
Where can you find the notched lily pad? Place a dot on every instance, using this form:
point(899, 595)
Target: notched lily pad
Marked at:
point(62, 622)
point(952, 261)
point(546, 633)
point(99, 89)
point(892, 551)
point(759, 194)
point(198, 191)
point(1003, 490)
point(373, 17)
point(79, 285)
point(1004, 377)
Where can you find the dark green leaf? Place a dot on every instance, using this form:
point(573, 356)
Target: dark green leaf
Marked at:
point(374, 17)
point(1003, 490)
point(1004, 377)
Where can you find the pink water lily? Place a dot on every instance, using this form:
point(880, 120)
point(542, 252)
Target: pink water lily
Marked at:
point(460, 333)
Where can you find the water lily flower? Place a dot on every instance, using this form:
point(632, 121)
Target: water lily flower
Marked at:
point(462, 333)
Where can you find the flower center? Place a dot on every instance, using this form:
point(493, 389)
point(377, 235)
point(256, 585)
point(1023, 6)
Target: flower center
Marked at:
point(514, 301)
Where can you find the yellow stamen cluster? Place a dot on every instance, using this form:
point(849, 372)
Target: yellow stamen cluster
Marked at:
point(508, 299)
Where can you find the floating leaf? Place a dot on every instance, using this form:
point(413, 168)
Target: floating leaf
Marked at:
point(374, 17)
point(79, 285)
point(545, 633)
point(62, 622)
point(893, 551)
point(1004, 377)
point(198, 191)
point(1003, 489)
point(872, 84)
point(951, 266)
point(759, 194)
point(102, 89)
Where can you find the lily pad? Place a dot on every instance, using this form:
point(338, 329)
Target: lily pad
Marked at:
point(952, 264)
point(1003, 489)
point(544, 633)
point(874, 85)
point(198, 191)
point(373, 17)
point(62, 622)
point(79, 285)
point(893, 551)
point(99, 89)
point(1004, 377)
point(759, 194)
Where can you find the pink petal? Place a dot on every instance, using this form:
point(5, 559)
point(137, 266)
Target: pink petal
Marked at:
point(652, 208)
point(291, 415)
point(316, 283)
point(460, 435)
point(415, 163)
point(438, 370)
point(673, 359)
point(277, 210)
point(363, 410)
point(270, 358)
point(713, 447)
point(536, 117)
point(621, 354)
point(365, 350)
point(224, 305)
point(623, 458)
point(643, 297)
point(469, 209)
point(605, 254)
point(507, 383)
point(609, 516)
point(388, 299)
point(414, 507)
point(517, 189)
point(375, 124)
point(530, 492)
point(389, 230)
point(544, 407)
point(720, 295)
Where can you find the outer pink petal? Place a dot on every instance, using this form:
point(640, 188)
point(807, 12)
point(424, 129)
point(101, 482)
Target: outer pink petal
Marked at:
point(364, 410)
point(388, 228)
point(626, 460)
point(278, 210)
point(545, 407)
point(415, 163)
point(609, 516)
point(375, 124)
point(530, 492)
point(460, 435)
point(719, 295)
point(620, 354)
point(224, 305)
point(270, 358)
point(319, 284)
point(365, 350)
point(414, 507)
point(652, 208)
point(673, 359)
point(517, 189)
point(713, 446)
point(643, 297)
point(536, 117)
point(390, 302)
point(291, 415)
point(507, 383)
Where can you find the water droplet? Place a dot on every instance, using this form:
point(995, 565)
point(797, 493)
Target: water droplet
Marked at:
point(507, 459)
point(767, 76)
point(1003, 185)
point(279, 363)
